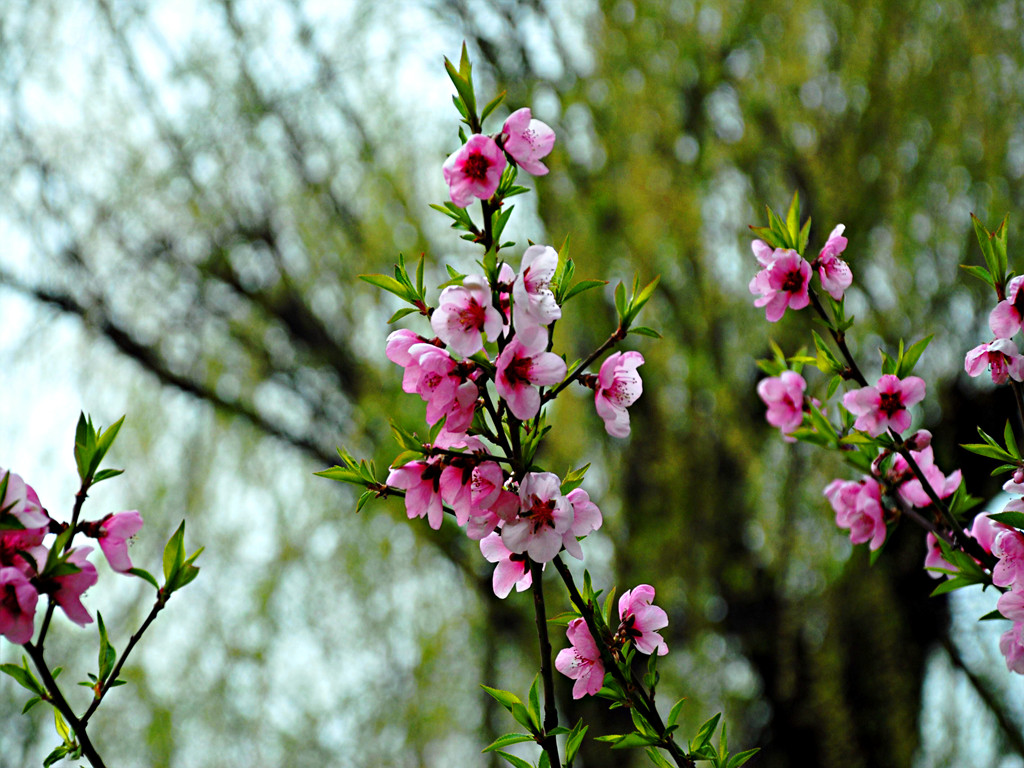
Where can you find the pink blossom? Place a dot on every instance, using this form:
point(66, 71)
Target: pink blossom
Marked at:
point(1009, 548)
point(114, 532)
point(491, 503)
point(534, 307)
point(445, 385)
point(70, 587)
point(511, 570)
point(911, 490)
point(586, 518)
point(474, 170)
point(782, 283)
point(934, 559)
point(1011, 605)
point(1006, 319)
point(835, 273)
point(618, 387)
point(641, 620)
point(784, 396)
point(421, 481)
point(544, 517)
point(397, 350)
point(582, 662)
point(520, 372)
point(884, 406)
point(858, 507)
point(984, 529)
point(20, 500)
point(1011, 644)
point(527, 141)
point(464, 313)
point(1000, 356)
point(17, 606)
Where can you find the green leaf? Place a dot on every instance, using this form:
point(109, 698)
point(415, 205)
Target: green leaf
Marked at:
point(534, 706)
point(574, 740)
point(741, 757)
point(506, 740)
point(106, 474)
point(705, 732)
point(673, 714)
point(30, 703)
point(643, 330)
point(492, 105)
point(62, 727)
point(23, 677)
point(793, 220)
point(57, 754)
point(620, 300)
point(981, 273)
point(951, 585)
point(631, 740)
point(909, 359)
point(518, 762)
point(107, 655)
point(991, 615)
point(1013, 519)
point(174, 552)
point(581, 286)
point(505, 698)
point(657, 758)
point(985, 241)
point(987, 451)
point(1010, 440)
point(387, 283)
point(805, 233)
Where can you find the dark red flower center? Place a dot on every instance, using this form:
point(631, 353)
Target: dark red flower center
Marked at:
point(890, 402)
point(794, 281)
point(476, 166)
point(473, 316)
point(518, 371)
point(540, 513)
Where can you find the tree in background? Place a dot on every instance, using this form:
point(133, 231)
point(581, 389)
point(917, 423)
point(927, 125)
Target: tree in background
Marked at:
point(203, 192)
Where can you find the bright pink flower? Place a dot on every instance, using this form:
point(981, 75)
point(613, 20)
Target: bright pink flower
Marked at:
point(1009, 548)
point(835, 273)
point(474, 170)
point(934, 558)
point(397, 350)
point(884, 406)
point(70, 587)
point(17, 606)
point(114, 532)
point(533, 304)
point(491, 502)
point(858, 507)
point(445, 386)
point(911, 490)
point(1000, 356)
point(527, 141)
point(586, 518)
point(782, 283)
point(1011, 644)
point(21, 500)
point(784, 396)
point(464, 313)
point(520, 372)
point(582, 662)
point(618, 387)
point(641, 620)
point(984, 529)
point(512, 570)
point(421, 481)
point(544, 517)
point(1006, 319)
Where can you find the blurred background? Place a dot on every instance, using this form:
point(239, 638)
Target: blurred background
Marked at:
point(187, 192)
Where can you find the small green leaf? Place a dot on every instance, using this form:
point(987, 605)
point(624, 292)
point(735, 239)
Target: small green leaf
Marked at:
point(643, 330)
point(107, 655)
point(742, 757)
point(534, 701)
point(518, 762)
point(1010, 440)
point(174, 552)
point(979, 272)
point(581, 286)
point(506, 740)
point(673, 714)
point(631, 740)
point(705, 732)
point(574, 740)
point(24, 677)
point(506, 698)
point(1013, 519)
point(951, 585)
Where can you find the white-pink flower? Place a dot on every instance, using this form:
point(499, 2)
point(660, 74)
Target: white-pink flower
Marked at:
point(858, 508)
point(20, 500)
point(618, 387)
point(1000, 356)
point(1011, 644)
point(512, 570)
point(533, 303)
point(984, 530)
point(782, 283)
point(527, 141)
point(586, 518)
point(464, 313)
point(18, 600)
point(835, 273)
point(1009, 548)
point(884, 406)
point(520, 372)
point(1008, 315)
point(640, 620)
point(474, 170)
point(784, 396)
point(114, 532)
point(421, 481)
point(581, 662)
point(544, 517)
point(1011, 605)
